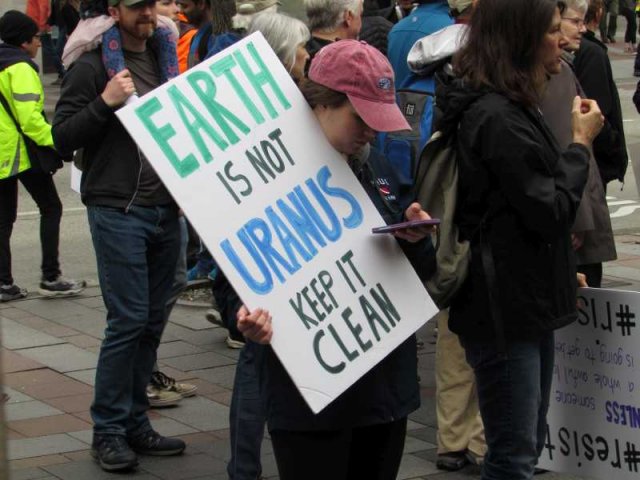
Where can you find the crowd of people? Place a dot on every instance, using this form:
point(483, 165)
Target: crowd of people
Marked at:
point(524, 92)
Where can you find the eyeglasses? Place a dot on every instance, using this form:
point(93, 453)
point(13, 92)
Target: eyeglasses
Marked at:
point(578, 22)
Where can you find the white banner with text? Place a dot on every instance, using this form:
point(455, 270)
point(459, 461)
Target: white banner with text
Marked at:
point(594, 414)
point(282, 214)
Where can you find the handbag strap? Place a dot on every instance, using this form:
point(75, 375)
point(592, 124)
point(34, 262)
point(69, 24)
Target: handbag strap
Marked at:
point(5, 104)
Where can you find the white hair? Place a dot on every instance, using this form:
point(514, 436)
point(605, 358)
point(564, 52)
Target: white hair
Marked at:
point(283, 33)
point(577, 5)
point(327, 15)
point(241, 21)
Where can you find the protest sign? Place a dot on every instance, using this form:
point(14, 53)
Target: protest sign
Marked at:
point(284, 217)
point(594, 415)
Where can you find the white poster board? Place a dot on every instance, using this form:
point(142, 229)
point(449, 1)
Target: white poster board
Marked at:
point(594, 416)
point(76, 177)
point(284, 217)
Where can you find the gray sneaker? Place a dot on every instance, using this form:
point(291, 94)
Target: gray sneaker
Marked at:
point(160, 398)
point(11, 292)
point(61, 287)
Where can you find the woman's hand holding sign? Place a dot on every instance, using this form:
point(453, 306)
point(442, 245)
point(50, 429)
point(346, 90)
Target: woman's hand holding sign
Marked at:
point(255, 326)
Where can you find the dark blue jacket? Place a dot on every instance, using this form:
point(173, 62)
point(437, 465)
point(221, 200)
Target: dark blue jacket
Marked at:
point(428, 18)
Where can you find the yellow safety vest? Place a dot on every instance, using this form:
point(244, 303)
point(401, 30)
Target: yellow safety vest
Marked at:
point(22, 88)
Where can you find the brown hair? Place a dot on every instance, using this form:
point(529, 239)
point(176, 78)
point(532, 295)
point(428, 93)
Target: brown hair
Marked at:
point(595, 6)
point(316, 94)
point(503, 48)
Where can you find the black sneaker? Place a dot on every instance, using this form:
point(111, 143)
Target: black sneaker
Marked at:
point(451, 461)
point(152, 443)
point(61, 287)
point(11, 292)
point(113, 453)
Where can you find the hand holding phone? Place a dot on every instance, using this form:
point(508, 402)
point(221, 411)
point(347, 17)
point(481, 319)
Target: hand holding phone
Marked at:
point(406, 225)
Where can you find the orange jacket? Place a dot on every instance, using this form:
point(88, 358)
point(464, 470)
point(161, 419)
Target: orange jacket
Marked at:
point(40, 10)
point(184, 42)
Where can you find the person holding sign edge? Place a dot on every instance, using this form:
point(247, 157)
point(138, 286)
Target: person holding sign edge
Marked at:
point(362, 432)
point(287, 36)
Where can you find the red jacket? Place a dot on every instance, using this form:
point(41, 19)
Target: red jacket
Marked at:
point(40, 10)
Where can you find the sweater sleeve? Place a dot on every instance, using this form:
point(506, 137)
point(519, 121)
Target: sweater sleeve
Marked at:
point(81, 114)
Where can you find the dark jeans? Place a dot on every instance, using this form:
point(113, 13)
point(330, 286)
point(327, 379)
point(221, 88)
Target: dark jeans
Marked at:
point(60, 43)
point(373, 452)
point(136, 253)
point(246, 416)
point(612, 9)
point(180, 278)
point(513, 394)
point(44, 193)
point(228, 304)
point(630, 31)
point(50, 51)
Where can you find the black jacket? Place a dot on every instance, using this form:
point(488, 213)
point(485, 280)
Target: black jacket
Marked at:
point(111, 161)
point(10, 55)
point(387, 392)
point(375, 31)
point(518, 197)
point(593, 69)
point(315, 44)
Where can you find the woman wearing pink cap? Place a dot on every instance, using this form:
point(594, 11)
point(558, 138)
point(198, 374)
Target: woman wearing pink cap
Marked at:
point(361, 434)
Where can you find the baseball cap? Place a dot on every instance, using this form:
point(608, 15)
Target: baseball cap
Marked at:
point(129, 3)
point(248, 7)
point(365, 76)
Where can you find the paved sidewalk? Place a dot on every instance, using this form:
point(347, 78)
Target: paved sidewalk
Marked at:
point(49, 353)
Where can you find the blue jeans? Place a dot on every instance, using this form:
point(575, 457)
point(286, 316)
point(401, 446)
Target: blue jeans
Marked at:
point(136, 253)
point(49, 50)
point(246, 416)
point(180, 278)
point(513, 393)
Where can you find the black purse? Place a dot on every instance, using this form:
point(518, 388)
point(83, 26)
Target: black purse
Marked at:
point(45, 159)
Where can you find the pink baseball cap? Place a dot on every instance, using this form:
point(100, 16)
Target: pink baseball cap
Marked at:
point(365, 76)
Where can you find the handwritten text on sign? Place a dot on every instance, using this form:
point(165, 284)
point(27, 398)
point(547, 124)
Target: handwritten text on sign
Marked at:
point(594, 414)
point(284, 217)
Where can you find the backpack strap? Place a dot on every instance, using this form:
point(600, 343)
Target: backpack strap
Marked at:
point(448, 140)
point(203, 46)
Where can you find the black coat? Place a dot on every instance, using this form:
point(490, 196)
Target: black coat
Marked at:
point(593, 69)
point(513, 175)
point(389, 391)
point(375, 31)
point(83, 120)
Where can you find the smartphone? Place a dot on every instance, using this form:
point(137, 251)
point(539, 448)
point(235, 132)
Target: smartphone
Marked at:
point(405, 225)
